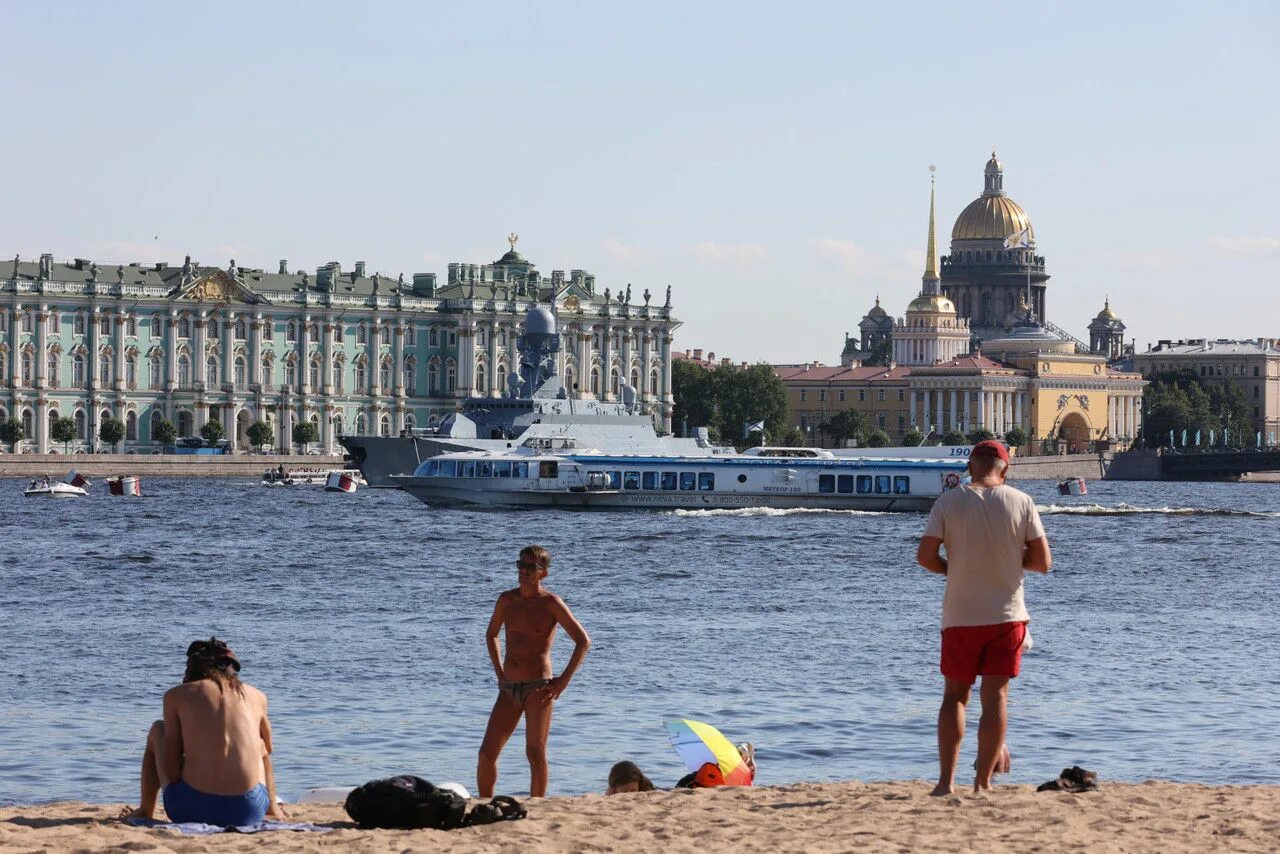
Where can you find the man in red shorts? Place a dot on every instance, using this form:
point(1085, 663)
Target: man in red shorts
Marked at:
point(992, 534)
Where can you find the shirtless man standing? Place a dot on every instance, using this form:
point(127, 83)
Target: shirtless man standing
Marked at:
point(211, 755)
point(526, 687)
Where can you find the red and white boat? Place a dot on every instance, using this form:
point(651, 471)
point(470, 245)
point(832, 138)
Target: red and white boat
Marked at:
point(1072, 486)
point(72, 486)
point(125, 485)
point(340, 481)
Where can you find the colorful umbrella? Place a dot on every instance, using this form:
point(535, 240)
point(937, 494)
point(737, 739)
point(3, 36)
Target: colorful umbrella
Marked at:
point(701, 744)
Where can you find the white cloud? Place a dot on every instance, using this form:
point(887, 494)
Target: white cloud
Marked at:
point(866, 266)
point(1245, 247)
point(729, 254)
point(625, 252)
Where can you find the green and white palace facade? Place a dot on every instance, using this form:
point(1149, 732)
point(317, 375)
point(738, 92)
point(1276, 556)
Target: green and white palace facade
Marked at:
point(350, 351)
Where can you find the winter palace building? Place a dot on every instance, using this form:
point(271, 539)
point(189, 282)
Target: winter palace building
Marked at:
point(350, 351)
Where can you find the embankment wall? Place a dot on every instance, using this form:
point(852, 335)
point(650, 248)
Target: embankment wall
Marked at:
point(1087, 466)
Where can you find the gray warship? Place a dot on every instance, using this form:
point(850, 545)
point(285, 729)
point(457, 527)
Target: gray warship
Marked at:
point(536, 405)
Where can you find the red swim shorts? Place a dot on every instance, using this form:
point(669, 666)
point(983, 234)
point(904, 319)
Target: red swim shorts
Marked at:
point(972, 651)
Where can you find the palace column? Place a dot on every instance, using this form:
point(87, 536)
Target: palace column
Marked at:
point(397, 360)
point(965, 405)
point(1017, 409)
point(304, 372)
point(253, 375)
point(42, 344)
point(982, 410)
point(667, 399)
point(951, 394)
point(228, 357)
point(171, 356)
point(492, 376)
point(915, 408)
point(15, 349)
point(646, 354)
point(937, 410)
point(627, 355)
point(326, 355)
point(118, 343)
point(199, 374)
point(606, 359)
point(467, 358)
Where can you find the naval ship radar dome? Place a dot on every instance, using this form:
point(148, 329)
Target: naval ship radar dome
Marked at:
point(540, 321)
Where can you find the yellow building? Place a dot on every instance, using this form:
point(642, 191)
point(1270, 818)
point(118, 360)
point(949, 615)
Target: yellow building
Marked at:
point(1026, 374)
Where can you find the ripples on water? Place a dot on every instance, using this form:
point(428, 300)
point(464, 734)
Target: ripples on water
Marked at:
point(811, 634)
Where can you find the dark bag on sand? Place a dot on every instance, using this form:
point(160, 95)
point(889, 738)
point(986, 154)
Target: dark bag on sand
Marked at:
point(405, 802)
point(501, 808)
point(1073, 779)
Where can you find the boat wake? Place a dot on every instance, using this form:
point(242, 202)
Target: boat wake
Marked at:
point(1130, 510)
point(746, 512)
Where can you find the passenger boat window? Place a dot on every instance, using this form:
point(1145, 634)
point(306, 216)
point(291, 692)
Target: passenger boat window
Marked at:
point(902, 485)
point(826, 483)
point(649, 480)
point(521, 469)
point(468, 468)
point(484, 468)
point(548, 468)
point(864, 484)
point(668, 480)
point(688, 480)
point(448, 468)
point(844, 484)
point(882, 484)
point(433, 468)
point(631, 480)
point(706, 481)
point(615, 480)
point(502, 469)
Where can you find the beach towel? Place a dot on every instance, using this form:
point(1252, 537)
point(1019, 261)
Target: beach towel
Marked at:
point(195, 828)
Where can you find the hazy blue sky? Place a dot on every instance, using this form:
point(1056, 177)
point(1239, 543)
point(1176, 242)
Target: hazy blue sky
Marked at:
point(769, 161)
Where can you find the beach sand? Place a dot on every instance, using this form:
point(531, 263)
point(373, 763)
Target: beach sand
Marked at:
point(823, 817)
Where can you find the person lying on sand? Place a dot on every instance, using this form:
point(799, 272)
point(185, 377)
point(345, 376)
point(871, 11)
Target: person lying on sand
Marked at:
point(211, 755)
point(626, 777)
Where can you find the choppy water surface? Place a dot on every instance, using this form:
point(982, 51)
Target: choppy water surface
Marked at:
point(811, 634)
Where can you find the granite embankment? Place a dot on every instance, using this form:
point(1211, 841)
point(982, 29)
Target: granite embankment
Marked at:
point(158, 465)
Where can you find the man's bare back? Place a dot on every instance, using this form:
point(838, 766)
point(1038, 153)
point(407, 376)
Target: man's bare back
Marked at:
point(216, 736)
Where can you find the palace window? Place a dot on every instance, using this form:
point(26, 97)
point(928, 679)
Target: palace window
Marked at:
point(313, 375)
point(291, 373)
point(131, 427)
point(184, 373)
point(131, 326)
point(290, 332)
point(339, 368)
point(842, 395)
point(266, 372)
point(822, 394)
point(409, 378)
point(131, 372)
point(157, 381)
point(803, 395)
point(384, 426)
point(361, 378)
point(27, 418)
point(453, 338)
point(433, 379)
point(240, 330)
point(156, 418)
point(53, 370)
point(410, 336)
point(211, 372)
point(880, 395)
point(433, 337)
point(241, 372)
point(653, 382)
point(82, 426)
point(481, 376)
point(28, 321)
point(315, 332)
point(502, 378)
point(104, 370)
point(362, 335)
point(615, 381)
point(184, 327)
point(451, 377)
point(862, 394)
point(104, 324)
point(26, 369)
point(902, 394)
point(156, 327)
point(384, 376)
point(77, 325)
point(595, 381)
point(482, 337)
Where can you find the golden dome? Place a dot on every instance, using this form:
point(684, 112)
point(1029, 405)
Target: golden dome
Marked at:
point(991, 218)
point(1107, 313)
point(932, 303)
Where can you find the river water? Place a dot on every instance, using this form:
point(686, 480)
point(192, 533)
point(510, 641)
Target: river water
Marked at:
point(811, 634)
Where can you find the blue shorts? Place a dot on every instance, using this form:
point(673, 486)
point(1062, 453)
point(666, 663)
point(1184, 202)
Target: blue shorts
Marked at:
point(183, 803)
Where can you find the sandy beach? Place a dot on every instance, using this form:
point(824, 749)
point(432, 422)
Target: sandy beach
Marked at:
point(825, 817)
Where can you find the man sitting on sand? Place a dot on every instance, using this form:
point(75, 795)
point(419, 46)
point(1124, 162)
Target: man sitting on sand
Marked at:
point(992, 534)
point(526, 687)
point(211, 755)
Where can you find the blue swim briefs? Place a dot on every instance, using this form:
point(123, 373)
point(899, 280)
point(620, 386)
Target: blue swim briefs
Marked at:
point(183, 804)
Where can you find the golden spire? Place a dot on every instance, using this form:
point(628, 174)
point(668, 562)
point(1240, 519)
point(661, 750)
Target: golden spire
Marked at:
point(931, 252)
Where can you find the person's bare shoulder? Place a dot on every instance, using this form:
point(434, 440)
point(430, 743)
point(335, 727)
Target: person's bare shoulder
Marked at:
point(255, 694)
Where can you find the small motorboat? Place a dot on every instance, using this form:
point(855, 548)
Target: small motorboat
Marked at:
point(1072, 486)
point(275, 477)
point(127, 484)
point(43, 487)
point(340, 480)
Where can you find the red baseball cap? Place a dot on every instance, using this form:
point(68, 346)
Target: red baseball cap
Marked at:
point(990, 448)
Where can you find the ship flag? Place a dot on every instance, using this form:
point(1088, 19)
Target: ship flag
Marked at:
point(756, 427)
point(1018, 240)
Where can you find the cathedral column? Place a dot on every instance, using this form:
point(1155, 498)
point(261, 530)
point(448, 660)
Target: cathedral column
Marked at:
point(1017, 409)
point(915, 407)
point(937, 410)
point(952, 396)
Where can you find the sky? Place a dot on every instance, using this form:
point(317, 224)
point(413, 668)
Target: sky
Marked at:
point(767, 161)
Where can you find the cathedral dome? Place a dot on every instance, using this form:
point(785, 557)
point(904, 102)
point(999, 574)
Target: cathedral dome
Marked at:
point(932, 303)
point(1107, 313)
point(993, 215)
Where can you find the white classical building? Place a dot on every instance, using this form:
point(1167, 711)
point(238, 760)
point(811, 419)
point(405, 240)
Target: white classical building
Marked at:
point(351, 352)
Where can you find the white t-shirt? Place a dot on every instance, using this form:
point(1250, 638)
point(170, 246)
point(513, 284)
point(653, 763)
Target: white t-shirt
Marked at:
point(984, 530)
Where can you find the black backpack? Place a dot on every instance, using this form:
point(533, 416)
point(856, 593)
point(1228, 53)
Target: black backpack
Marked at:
point(405, 802)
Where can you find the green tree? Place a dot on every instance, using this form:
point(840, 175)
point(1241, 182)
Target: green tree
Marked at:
point(880, 354)
point(11, 432)
point(165, 433)
point(912, 438)
point(63, 430)
point(793, 438)
point(111, 431)
point(979, 434)
point(1180, 401)
point(260, 433)
point(844, 425)
point(877, 439)
point(953, 437)
point(746, 395)
point(1016, 437)
point(212, 431)
point(304, 433)
point(695, 396)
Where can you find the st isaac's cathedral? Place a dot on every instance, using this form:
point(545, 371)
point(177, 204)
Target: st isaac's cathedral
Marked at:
point(975, 349)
